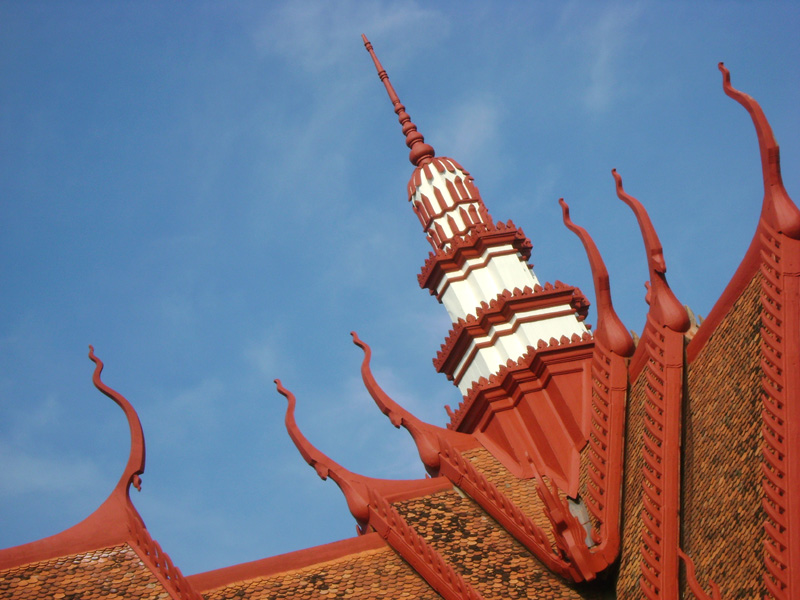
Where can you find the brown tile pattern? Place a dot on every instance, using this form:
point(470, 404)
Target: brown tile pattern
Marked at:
point(521, 492)
point(374, 574)
point(484, 553)
point(109, 573)
point(630, 569)
point(722, 516)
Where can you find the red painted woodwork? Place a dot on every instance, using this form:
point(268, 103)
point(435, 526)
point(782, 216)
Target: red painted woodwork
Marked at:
point(535, 407)
point(605, 450)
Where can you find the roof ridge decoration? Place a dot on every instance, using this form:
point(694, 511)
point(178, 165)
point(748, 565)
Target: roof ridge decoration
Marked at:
point(116, 521)
point(420, 152)
point(355, 487)
point(369, 500)
point(606, 439)
point(507, 513)
point(610, 330)
point(427, 437)
point(665, 308)
point(780, 354)
point(136, 457)
point(778, 209)
point(422, 556)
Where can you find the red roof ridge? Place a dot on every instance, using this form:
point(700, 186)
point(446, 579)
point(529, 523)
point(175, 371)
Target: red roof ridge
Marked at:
point(108, 524)
point(116, 521)
point(778, 212)
point(283, 563)
point(778, 209)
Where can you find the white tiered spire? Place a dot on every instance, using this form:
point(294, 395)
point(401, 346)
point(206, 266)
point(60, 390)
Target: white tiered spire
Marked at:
point(476, 263)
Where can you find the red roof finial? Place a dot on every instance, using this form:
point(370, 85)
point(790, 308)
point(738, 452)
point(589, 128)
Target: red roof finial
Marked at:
point(351, 485)
point(421, 152)
point(427, 437)
point(779, 210)
point(135, 466)
point(664, 306)
point(610, 330)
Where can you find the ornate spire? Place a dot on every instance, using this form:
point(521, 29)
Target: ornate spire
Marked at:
point(779, 210)
point(421, 153)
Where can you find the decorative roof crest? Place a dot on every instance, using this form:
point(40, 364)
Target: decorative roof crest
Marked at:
point(357, 499)
point(421, 153)
point(664, 306)
point(778, 209)
point(427, 437)
point(610, 330)
point(136, 457)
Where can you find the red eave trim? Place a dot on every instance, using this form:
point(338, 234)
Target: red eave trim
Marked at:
point(104, 528)
point(282, 563)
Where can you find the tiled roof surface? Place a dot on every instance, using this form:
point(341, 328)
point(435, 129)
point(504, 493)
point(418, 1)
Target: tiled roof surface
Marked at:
point(373, 574)
point(521, 491)
point(722, 517)
point(485, 554)
point(110, 573)
point(630, 569)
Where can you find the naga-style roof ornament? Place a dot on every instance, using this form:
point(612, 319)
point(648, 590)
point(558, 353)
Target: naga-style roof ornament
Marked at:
point(778, 209)
point(135, 466)
point(421, 153)
point(357, 499)
point(428, 438)
point(610, 330)
point(664, 306)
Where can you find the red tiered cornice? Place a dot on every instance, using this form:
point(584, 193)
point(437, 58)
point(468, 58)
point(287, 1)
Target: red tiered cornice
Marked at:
point(472, 245)
point(501, 310)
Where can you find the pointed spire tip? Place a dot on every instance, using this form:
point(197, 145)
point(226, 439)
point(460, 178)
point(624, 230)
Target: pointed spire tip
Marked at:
point(421, 153)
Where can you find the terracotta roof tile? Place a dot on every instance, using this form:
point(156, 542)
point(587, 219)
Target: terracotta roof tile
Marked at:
point(630, 569)
point(722, 516)
point(373, 574)
point(483, 552)
point(521, 491)
point(115, 572)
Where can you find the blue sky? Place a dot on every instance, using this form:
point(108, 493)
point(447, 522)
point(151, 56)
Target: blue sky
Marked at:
point(213, 195)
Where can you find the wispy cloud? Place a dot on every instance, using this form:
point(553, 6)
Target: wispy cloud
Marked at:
point(603, 35)
point(317, 36)
point(25, 473)
point(471, 129)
